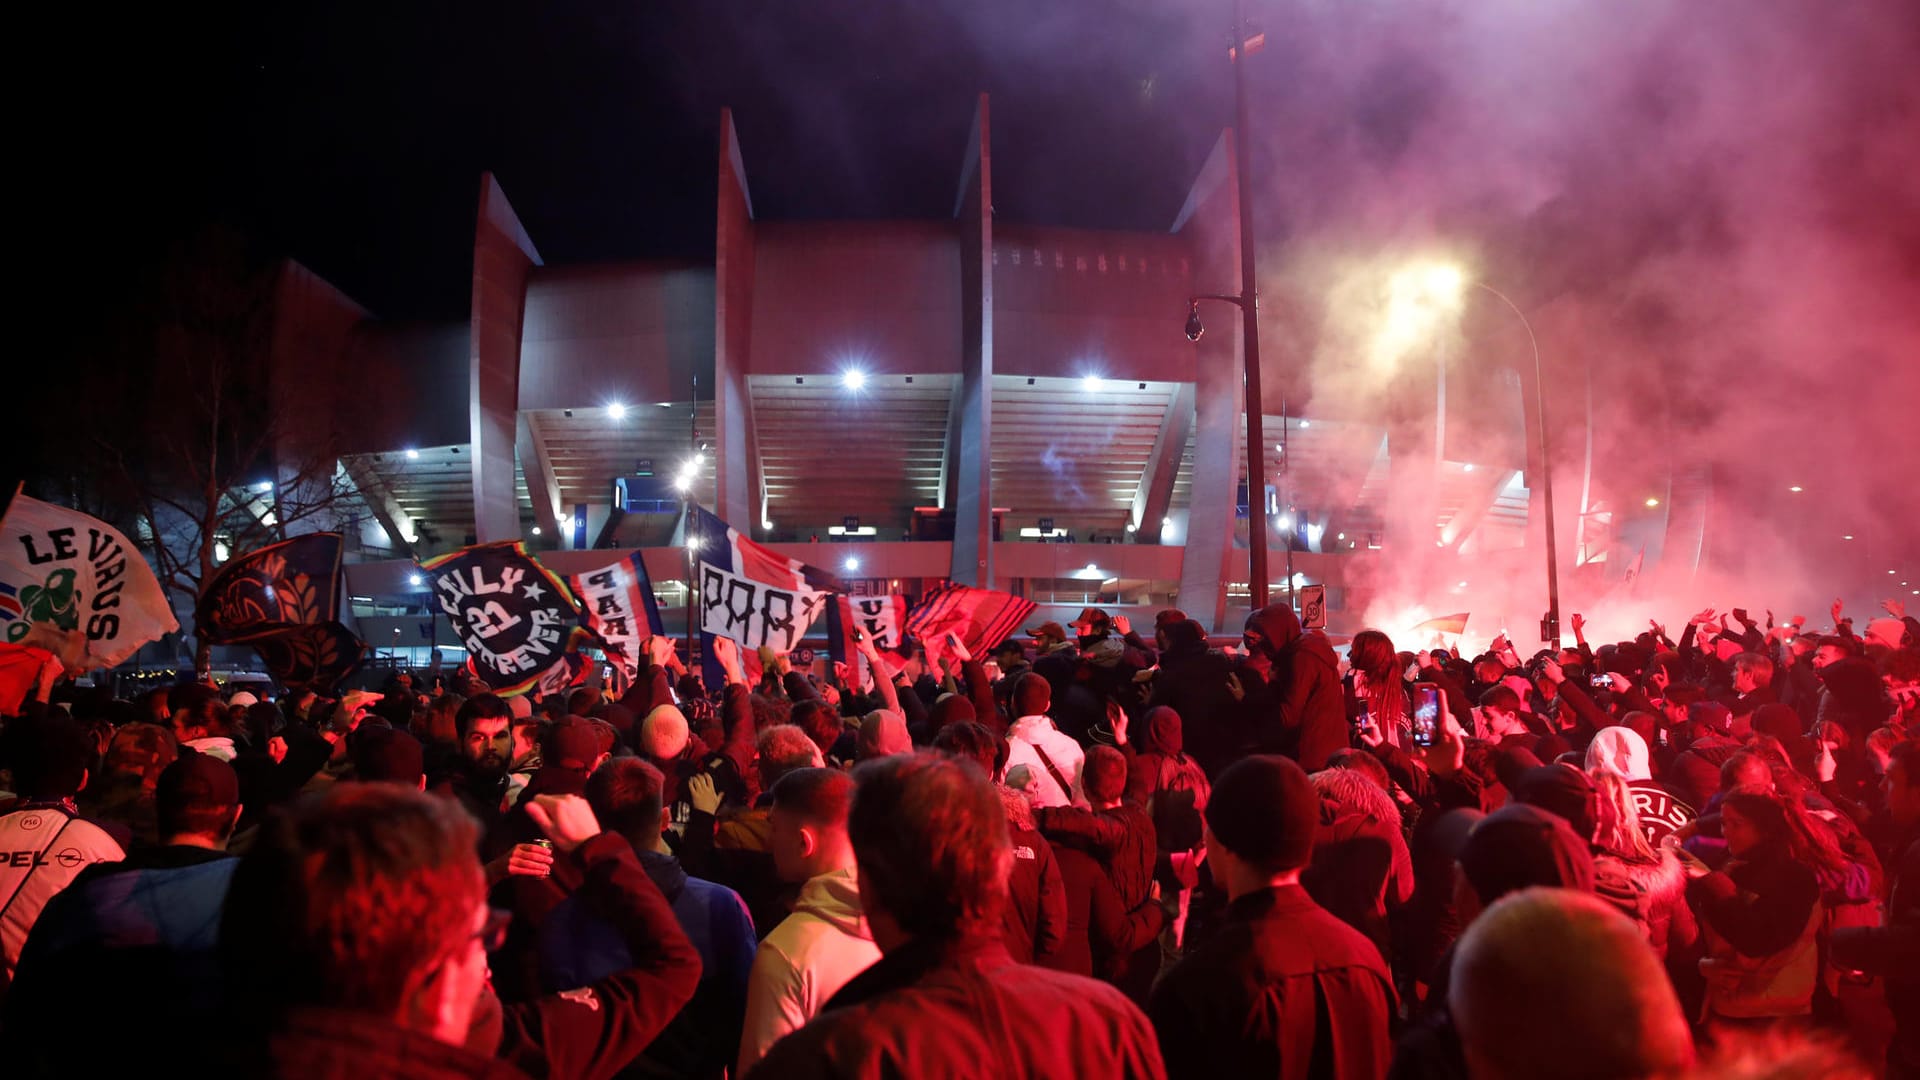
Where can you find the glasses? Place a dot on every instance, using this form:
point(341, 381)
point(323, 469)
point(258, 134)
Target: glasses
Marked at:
point(493, 933)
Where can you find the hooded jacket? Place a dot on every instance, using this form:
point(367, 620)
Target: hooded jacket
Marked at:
point(1295, 704)
point(805, 961)
point(1034, 924)
point(1171, 786)
point(1361, 869)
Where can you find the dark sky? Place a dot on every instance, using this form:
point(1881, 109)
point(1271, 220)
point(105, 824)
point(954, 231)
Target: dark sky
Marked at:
point(351, 135)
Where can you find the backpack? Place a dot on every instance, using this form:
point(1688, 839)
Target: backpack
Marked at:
point(1179, 800)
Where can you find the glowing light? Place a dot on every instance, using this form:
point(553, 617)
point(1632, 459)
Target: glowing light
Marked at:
point(699, 457)
point(1091, 566)
point(853, 562)
point(1340, 536)
point(1419, 301)
point(767, 524)
point(1166, 522)
point(1285, 521)
point(1652, 503)
point(1131, 527)
point(853, 379)
point(682, 483)
point(616, 410)
point(1443, 283)
point(414, 580)
point(1849, 536)
point(536, 530)
point(412, 454)
point(1796, 489)
point(1305, 424)
point(695, 543)
point(1463, 584)
point(1468, 467)
point(263, 486)
point(1090, 383)
point(1890, 571)
point(220, 553)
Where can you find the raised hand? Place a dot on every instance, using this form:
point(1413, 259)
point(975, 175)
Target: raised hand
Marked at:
point(702, 793)
point(1123, 624)
point(1703, 618)
point(1658, 629)
point(1238, 691)
point(958, 648)
point(1895, 608)
point(727, 651)
point(1117, 720)
point(1579, 622)
point(1836, 609)
point(566, 819)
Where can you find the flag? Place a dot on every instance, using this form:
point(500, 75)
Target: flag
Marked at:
point(751, 593)
point(512, 614)
point(314, 656)
point(292, 583)
point(20, 667)
point(1445, 624)
point(1633, 570)
point(883, 619)
point(982, 617)
point(66, 573)
point(616, 603)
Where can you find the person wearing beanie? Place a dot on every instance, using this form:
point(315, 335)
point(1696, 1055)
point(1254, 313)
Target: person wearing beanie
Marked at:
point(387, 756)
point(1516, 847)
point(1282, 988)
point(1292, 699)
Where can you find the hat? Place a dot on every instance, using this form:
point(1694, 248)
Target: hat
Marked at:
point(1565, 791)
point(1519, 846)
point(1168, 617)
point(243, 698)
point(1093, 619)
point(1048, 630)
point(198, 781)
point(571, 743)
point(384, 754)
point(1264, 810)
point(520, 706)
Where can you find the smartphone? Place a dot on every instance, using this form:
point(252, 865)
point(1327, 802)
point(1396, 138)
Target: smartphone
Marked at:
point(1601, 681)
point(858, 635)
point(1426, 713)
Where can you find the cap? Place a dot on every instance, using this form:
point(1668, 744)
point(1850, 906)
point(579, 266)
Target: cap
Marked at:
point(384, 754)
point(571, 743)
point(1093, 619)
point(198, 780)
point(1048, 630)
point(243, 698)
point(1265, 810)
point(520, 706)
point(1169, 617)
point(1519, 846)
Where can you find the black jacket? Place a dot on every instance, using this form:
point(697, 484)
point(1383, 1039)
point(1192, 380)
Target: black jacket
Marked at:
point(1295, 704)
point(1281, 989)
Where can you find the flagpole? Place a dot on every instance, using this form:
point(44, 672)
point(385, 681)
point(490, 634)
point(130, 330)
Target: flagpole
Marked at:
point(691, 533)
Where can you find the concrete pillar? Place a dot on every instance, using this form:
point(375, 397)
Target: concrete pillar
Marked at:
point(503, 257)
point(734, 485)
point(1210, 222)
point(1151, 499)
point(971, 457)
point(544, 491)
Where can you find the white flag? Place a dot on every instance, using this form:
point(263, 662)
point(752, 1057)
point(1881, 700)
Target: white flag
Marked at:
point(69, 578)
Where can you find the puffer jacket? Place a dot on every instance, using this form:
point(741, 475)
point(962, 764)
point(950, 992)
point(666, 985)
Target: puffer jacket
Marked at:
point(1761, 919)
point(1653, 894)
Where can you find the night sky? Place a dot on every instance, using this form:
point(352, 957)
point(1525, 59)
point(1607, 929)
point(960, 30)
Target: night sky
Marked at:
point(351, 136)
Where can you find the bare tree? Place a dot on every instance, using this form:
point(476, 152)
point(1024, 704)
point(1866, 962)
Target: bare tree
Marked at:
point(212, 459)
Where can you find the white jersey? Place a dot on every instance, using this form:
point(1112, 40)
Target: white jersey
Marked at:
point(43, 847)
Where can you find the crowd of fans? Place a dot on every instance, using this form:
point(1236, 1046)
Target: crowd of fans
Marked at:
point(1094, 853)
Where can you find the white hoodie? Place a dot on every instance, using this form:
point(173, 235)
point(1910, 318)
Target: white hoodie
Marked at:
point(804, 962)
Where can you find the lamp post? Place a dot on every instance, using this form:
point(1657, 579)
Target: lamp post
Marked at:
point(1549, 626)
point(1249, 304)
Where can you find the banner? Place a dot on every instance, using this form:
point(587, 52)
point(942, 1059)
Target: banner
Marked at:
point(616, 603)
point(315, 656)
point(64, 575)
point(292, 583)
point(1445, 624)
point(881, 618)
point(755, 613)
point(982, 617)
point(802, 590)
point(512, 614)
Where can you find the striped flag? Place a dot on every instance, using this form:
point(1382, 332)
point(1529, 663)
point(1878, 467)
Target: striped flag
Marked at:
point(1446, 624)
point(751, 593)
point(982, 617)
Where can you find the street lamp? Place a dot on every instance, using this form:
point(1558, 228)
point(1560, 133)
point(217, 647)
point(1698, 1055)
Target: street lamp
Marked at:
point(1249, 304)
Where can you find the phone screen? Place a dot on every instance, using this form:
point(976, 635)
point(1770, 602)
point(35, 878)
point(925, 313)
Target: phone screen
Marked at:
point(1426, 713)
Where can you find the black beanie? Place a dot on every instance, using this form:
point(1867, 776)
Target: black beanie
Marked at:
point(1563, 790)
point(1264, 809)
point(1519, 846)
